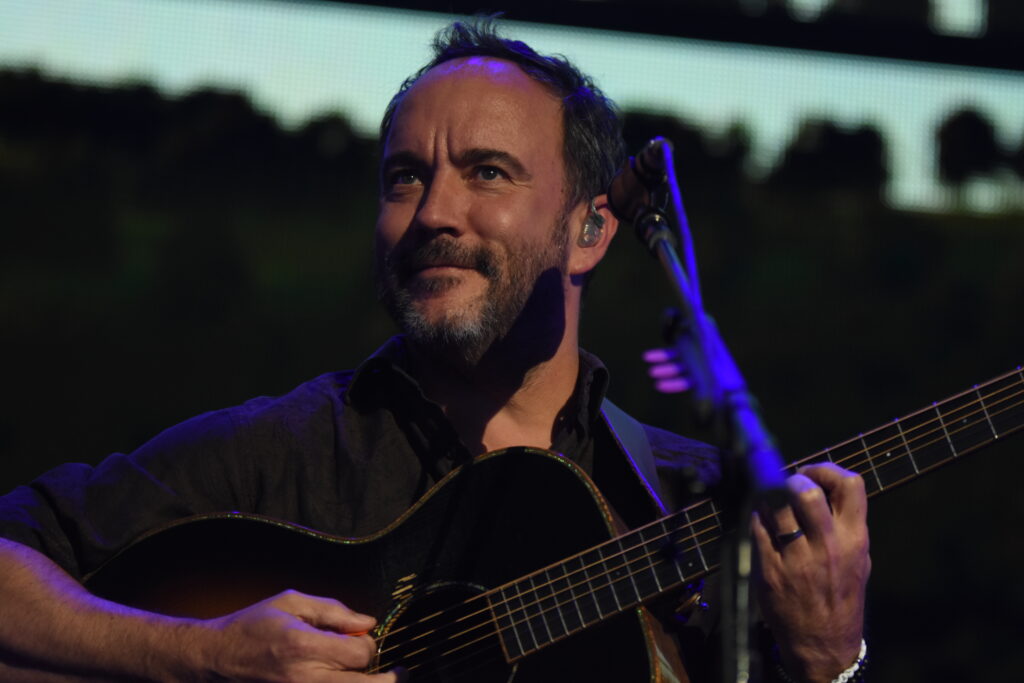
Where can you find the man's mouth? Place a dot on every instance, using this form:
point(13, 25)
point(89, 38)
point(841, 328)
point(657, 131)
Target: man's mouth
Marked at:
point(441, 266)
point(440, 257)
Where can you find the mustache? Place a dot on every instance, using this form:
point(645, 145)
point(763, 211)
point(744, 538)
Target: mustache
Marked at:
point(442, 252)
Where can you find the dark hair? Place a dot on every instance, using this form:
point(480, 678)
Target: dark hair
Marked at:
point(592, 150)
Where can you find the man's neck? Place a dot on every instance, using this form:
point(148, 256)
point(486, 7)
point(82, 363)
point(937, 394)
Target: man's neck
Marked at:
point(499, 403)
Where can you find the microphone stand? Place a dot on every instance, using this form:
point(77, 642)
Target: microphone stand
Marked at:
point(751, 464)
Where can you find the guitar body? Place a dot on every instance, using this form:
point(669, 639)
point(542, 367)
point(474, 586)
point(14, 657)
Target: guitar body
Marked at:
point(456, 582)
point(499, 518)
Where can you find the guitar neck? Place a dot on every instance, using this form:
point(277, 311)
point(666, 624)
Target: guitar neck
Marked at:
point(632, 569)
point(907, 447)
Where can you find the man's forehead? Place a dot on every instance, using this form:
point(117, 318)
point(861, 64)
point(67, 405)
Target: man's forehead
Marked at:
point(477, 95)
point(499, 76)
point(479, 65)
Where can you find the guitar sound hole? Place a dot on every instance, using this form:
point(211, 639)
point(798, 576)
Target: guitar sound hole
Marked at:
point(444, 635)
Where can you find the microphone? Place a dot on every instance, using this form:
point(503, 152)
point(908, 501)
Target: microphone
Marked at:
point(633, 186)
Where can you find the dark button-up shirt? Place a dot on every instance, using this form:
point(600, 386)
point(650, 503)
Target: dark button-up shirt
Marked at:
point(345, 453)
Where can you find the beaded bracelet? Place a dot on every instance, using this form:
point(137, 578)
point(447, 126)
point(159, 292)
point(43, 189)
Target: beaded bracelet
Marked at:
point(854, 674)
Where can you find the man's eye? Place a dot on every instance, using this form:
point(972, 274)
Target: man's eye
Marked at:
point(403, 178)
point(489, 173)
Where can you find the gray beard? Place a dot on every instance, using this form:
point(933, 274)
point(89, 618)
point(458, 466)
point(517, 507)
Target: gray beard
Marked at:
point(466, 335)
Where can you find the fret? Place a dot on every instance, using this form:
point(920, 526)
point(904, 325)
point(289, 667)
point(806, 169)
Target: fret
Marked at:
point(1005, 398)
point(589, 590)
point(542, 611)
point(967, 425)
point(668, 564)
point(693, 529)
point(653, 548)
point(981, 402)
point(866, 457)
point(666, 567)
point(633, 562)
point(553, 602)
point(690, 542)
point(707, 540)
point(582, 592)
point(566, 593)
point(508, 625)
point(850, 455)
point(638, 555)
point(521, 615)
point(945, 432)
point(586, 589)
point(926, 440)
point(671, 567)
point(903, 438)
point(613, 576)
point(890, 459)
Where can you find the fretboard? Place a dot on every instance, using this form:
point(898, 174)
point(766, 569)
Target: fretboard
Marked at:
point(589, 587)
point(909, 446)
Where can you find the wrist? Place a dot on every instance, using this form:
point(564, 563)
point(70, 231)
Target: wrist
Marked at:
point(854, 673)
point(185, 652)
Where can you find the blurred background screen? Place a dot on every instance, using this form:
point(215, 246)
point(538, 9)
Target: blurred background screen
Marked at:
point(188, 190)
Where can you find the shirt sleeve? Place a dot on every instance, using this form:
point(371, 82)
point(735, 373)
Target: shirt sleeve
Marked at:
point(79, 515)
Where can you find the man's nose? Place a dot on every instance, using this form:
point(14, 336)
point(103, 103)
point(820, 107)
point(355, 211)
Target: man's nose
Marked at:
point(443, 204)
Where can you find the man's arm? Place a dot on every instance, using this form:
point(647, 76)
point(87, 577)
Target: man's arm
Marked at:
point(52, 628)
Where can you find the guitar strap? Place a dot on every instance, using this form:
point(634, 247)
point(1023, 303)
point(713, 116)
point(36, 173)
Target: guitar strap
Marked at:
point(632, 440)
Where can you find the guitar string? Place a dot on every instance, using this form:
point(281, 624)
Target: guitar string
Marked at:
point(930, 422)
point(526, 605)
point(938, 429)
point(486, 609)
point(620, 579)
point(630, 605)
point(648, 566)
point(908, 434)
point(572, 598)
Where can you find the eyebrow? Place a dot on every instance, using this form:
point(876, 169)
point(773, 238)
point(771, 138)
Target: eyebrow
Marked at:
point(483, 155)
point(471, 157)
point(401, 159)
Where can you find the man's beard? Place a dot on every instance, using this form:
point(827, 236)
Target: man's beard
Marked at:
point(467, 332)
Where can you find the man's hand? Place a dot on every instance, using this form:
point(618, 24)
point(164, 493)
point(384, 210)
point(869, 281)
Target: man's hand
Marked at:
point(293, 637)
point(812, 585)
point(53, 629)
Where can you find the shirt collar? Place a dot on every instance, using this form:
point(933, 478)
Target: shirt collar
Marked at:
point(386, 369)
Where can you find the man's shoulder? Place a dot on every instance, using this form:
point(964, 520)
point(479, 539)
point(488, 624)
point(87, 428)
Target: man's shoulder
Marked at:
point(326, 390)
point(679, 456)
point(316, 401)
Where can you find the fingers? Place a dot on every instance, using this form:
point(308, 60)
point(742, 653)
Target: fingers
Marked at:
point(334, 630)
point(845, 490)
point(820, 497)
point(325, 613)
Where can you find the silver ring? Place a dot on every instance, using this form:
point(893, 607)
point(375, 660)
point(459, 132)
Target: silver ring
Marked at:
point(786, 539)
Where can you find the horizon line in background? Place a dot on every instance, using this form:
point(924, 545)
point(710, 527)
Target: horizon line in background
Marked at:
point(298, 61)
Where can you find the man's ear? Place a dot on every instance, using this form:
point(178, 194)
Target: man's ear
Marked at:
point(591, 229)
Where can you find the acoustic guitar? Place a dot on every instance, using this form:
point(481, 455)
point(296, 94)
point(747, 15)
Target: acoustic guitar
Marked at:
point(473, 584)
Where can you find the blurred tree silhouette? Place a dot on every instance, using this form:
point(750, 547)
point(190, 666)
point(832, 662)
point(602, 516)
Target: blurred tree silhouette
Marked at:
point(1016, 160)
point(967, 147)
point(899, 12)
point(824, 157)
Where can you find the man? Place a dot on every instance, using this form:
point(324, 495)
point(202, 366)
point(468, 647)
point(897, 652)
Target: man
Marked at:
point(492, 214)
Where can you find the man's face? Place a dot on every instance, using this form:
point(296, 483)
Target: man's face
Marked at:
point(472, 210)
